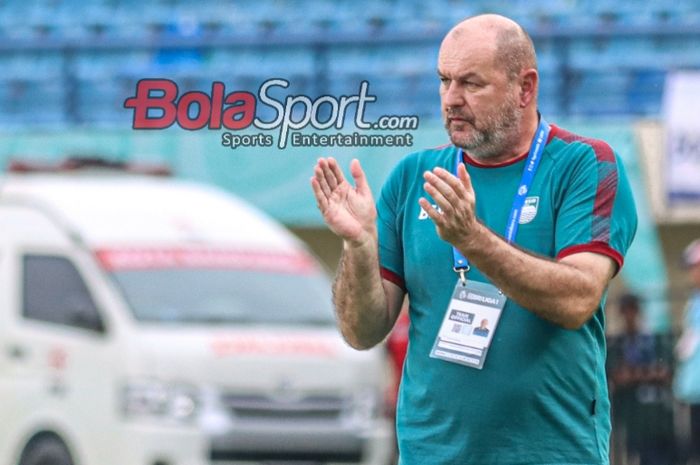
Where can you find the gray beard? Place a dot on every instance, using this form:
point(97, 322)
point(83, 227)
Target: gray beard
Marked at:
point(499, 135)
point(495, 144)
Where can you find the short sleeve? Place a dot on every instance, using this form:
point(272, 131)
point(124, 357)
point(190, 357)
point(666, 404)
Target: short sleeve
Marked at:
point(597, 212)
point(388, 221)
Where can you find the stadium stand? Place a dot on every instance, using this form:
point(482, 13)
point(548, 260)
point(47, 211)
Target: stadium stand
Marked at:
point(67, 62)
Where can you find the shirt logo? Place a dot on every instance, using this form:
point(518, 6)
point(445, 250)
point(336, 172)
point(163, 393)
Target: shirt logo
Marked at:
point(423, 215)
point(529, 211)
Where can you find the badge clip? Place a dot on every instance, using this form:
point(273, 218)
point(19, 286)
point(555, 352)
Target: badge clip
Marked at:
point(462, 274)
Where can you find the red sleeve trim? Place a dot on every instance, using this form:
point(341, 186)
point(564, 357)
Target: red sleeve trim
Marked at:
point(393, 277)
point(595, 247)
point(607, 182)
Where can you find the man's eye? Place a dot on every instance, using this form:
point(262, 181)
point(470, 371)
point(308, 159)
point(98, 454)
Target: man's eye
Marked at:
point(444, 80)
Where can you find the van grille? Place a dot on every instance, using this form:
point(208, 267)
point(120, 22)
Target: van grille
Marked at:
point(311, 408)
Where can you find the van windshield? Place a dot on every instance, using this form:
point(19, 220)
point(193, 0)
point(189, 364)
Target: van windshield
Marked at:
point(201, 295)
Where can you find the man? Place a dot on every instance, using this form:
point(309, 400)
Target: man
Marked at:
point(482, 330)
point(640, 382)
point(687, 382)
point(538, 394)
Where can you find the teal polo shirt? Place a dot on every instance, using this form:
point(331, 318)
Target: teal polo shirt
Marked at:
point(541, 397)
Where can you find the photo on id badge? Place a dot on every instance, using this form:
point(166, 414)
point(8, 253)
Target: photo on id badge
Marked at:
point(468, 324)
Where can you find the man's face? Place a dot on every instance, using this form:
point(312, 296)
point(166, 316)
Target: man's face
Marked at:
point(480, 103)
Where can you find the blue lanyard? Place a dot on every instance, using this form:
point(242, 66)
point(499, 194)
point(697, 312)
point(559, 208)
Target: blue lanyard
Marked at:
point(461, 264)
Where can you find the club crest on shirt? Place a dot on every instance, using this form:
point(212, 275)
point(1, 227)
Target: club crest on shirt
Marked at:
point(529, 211)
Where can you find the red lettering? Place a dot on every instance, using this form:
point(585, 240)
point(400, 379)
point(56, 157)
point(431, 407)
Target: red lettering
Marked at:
point(217, 103)
point(241, 112)
point(210, 111)
point(144, 101)
point(203, 110)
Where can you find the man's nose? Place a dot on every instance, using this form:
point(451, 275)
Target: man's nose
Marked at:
point(451, 96)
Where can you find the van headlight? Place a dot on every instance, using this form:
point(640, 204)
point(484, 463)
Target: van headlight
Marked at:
point(151, 398)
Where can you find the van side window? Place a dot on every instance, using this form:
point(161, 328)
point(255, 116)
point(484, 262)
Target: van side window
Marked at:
point(54, 292)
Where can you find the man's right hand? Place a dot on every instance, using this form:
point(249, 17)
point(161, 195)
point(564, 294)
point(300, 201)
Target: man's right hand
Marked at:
point(348, 211)
point(366, 304)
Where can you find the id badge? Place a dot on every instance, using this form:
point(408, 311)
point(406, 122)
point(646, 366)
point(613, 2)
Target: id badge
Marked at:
point(469, 324)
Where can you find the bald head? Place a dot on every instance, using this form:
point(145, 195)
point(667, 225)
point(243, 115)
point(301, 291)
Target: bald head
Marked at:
point(512, 47)
point(488, 87)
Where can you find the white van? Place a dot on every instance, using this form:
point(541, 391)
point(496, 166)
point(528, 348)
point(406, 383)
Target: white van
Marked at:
point(148, 321)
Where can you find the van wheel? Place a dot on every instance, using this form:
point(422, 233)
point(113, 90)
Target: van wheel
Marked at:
point(46, 450)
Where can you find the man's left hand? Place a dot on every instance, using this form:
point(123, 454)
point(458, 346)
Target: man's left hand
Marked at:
point(456, 221)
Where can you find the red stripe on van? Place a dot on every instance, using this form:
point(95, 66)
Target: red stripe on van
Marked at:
point(274, 345)
point(145, 259)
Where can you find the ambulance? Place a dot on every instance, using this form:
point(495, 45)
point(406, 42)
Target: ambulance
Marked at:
point(151, 321)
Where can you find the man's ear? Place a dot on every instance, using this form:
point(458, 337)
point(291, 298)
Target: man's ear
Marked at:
point(528, 86)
